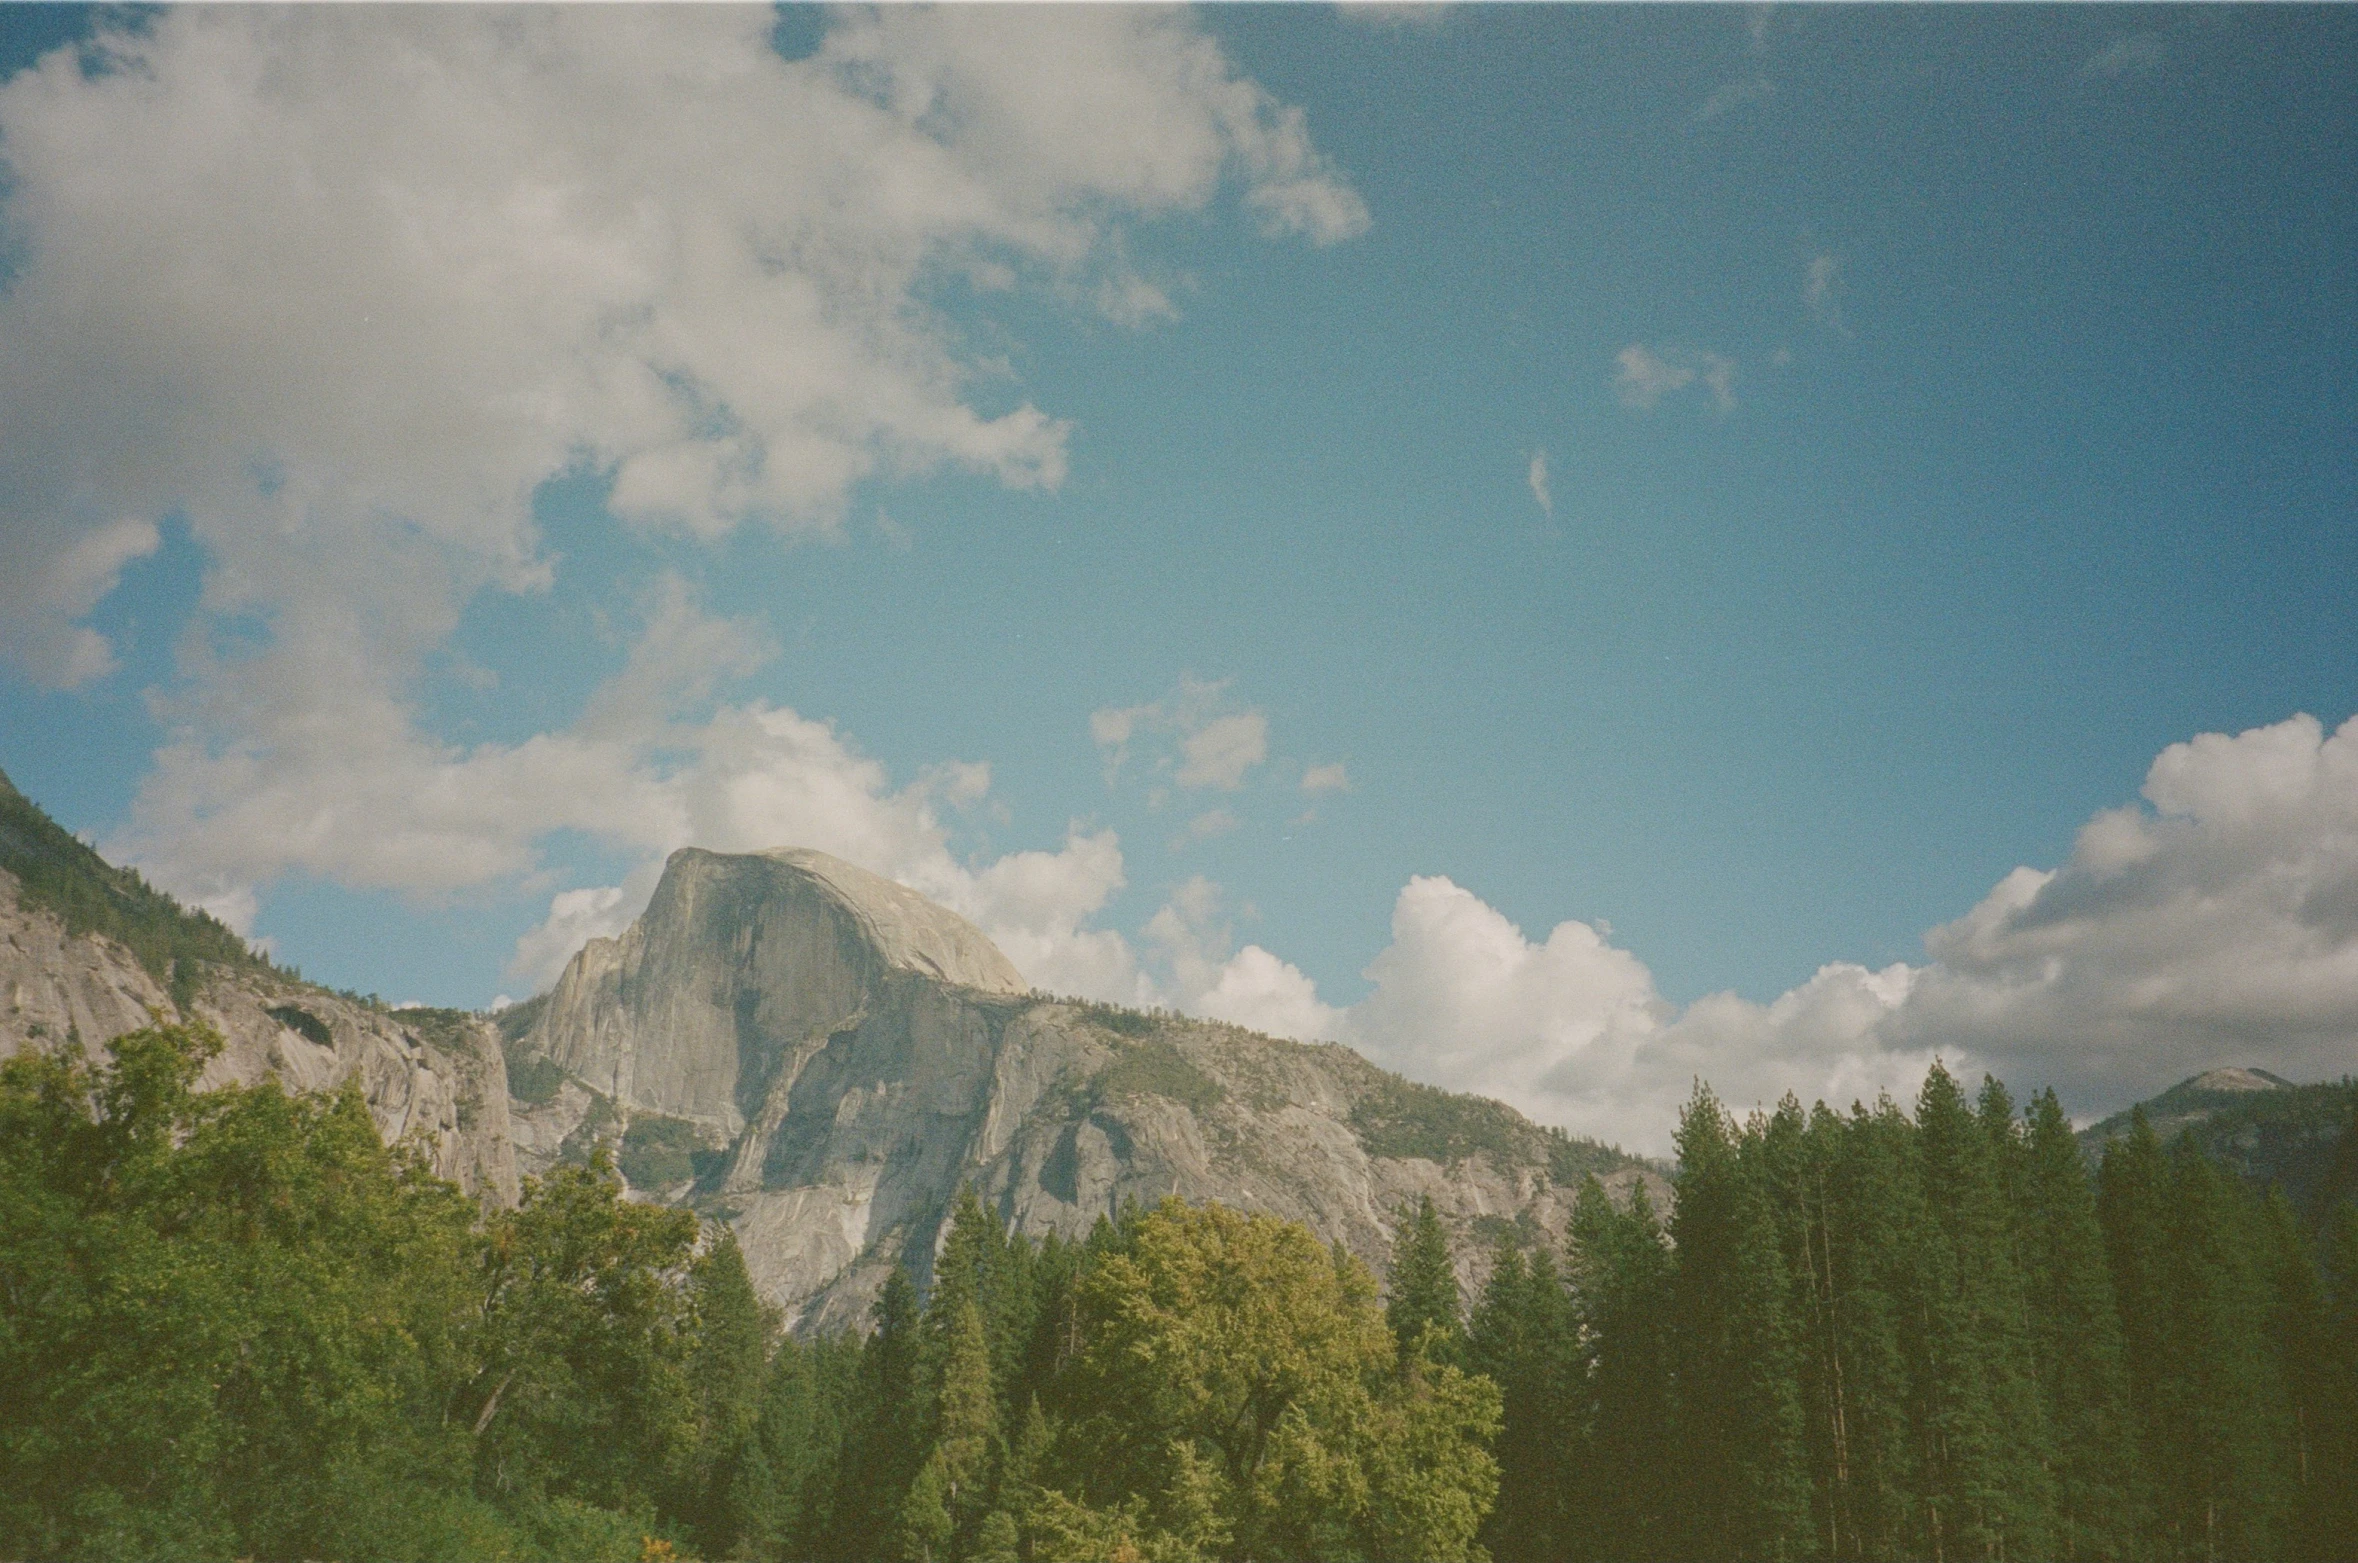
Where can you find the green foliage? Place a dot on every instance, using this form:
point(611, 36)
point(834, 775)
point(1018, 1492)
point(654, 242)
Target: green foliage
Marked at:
point(235, 1323)
point(658, 1152)
point(449, 1031)
point(1401, 1118)
point(59, 874)
point(2290, 1138)
point(1156, 1067)
point(533, 1078)
point(594, 1135)
point(1424, 1312)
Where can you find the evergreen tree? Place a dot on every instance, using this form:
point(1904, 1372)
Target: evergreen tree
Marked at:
point(1618, 1458)
point(884, 1450)
point(1424, 1310)
point(2330, 1512)
point(1744, 1491)
point(2225, 1430)
point(1982, 1437)
point(1520, 1338)
point(1874, 1214)
point(2076, 1343)
point(730, 1330)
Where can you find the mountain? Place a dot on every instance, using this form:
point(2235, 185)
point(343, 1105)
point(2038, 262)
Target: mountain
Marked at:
point(2269, 1131)
point(822, 1058)
point(817, 1056)
point(89, 951)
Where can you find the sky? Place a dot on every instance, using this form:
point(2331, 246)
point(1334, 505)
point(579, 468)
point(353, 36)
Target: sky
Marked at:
point(1574, 549)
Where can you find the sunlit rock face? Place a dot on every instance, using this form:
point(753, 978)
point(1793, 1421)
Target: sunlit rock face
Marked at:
point(845, 1056)
point(433, 1077)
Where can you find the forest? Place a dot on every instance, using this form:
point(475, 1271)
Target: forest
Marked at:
point(235, 1324)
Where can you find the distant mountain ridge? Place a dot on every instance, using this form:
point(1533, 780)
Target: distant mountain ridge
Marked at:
point(2268, 1130)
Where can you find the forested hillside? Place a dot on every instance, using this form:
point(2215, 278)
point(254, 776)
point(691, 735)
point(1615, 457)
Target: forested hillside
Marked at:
point(1866, 1335)
point(59, 874)
point(234, 1324)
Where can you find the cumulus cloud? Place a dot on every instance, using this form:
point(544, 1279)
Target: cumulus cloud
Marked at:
point(2132, 54)
point(343, 287)
point(2214, 923)
point(1537, 477)
point(1206, 745)
point(1642, 377)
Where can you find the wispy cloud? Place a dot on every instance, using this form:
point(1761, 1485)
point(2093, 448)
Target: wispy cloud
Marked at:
point(1539, 489)
point(1409, 15)
point(2131, 54)
point(1735, 95)
point(1821, 291)
point(1643, 377)
point(1318, 780)
point(1215, 748)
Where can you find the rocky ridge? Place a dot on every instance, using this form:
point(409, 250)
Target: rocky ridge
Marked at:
point(816, 1056)
point(822, 1059)
point(73, 930)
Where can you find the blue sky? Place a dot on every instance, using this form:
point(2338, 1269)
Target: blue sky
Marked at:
point(1942, 414)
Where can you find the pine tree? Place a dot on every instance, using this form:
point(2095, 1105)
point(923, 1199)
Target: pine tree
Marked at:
point(966, 1424)
point(732, 1331)
point(2331, 1514)
point(2225, 1415)
point(1875, 1210)
point(1618, 1456)
point(1424, 1310)
point(1980, 1425)
point(1745, 1490)
point(2076, 1343)
point(883, 1449)
point(1521, 1338)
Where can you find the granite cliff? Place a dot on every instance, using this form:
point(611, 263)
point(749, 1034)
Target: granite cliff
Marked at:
point(88, 952)
point(822, 1058)
point(814, 1055)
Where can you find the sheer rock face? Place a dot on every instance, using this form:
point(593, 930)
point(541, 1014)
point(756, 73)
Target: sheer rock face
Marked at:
point(850, 1055)
point(444, 1082)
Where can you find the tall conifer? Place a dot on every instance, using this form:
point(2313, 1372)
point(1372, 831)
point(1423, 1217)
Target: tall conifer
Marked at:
point(2076, 1342)
point(1980, 1428)
point(1737, 1402)
point(1424, 1308)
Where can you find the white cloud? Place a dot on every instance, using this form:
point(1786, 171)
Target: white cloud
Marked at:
point(344, 286)
point(1214, 748)
point(1220, 752)
point(2132, 54)
point(1821, 291)
point(2216, 923)
point(1643, 377)
point(1318, 780)
point(1408, 15)
point(1537, 477)
point(575, 917)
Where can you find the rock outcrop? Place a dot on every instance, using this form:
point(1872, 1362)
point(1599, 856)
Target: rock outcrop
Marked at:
point(822, 1058)
point(436, 1075)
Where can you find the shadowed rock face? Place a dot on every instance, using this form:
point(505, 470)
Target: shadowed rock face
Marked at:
point(849, 1055)
point(435, 1075)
